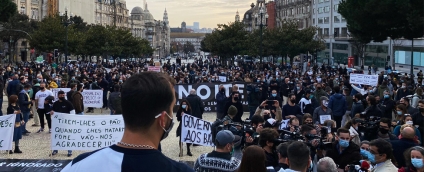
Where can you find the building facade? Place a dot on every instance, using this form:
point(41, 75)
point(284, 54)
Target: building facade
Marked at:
point(112, 13)
point(157, 32)
point(182, 38)
point(297, 10)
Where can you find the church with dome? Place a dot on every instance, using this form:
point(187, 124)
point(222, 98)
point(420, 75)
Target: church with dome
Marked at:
point(157, 32)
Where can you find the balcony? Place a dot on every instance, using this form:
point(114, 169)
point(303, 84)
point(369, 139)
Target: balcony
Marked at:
point(150, 32)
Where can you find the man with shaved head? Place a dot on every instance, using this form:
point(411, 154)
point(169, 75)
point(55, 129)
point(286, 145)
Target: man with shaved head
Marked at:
point(399, 146)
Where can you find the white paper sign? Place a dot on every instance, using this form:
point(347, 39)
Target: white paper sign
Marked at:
point(222, 78)
point(7, 126)
point(85, 132)
point(284, 124)
point(195, 130)
point(323, 118)
point(93, 98)
point(56, 90)
point(364, 79)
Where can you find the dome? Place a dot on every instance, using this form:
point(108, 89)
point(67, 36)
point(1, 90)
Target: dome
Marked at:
point(148, 16)
point(248, 14)
point(137, 10)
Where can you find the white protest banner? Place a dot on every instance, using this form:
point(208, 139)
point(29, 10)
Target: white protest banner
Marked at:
point(195, 130)
point(85, 132)
point(154, 68)
point(222, 78)
point(364, 79)
point(56, 90)
point(284, 124)
point(93, 98)
point(7, 126)
point(323, 118)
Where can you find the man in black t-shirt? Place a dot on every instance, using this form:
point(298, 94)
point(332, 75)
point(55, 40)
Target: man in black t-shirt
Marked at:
point(62, 106)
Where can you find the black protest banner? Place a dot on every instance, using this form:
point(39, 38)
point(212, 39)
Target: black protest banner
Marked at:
point(33, 165)
point(207, 92)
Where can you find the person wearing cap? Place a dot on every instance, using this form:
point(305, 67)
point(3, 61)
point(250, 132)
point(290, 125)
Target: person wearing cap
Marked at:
point(220, 160)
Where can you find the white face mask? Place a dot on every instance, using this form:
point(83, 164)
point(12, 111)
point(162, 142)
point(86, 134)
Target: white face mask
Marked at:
point(409, 122)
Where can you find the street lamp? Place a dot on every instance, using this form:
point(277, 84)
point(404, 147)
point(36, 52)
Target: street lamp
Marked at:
point(66, 22)
point(262, 22)
point(11, 46)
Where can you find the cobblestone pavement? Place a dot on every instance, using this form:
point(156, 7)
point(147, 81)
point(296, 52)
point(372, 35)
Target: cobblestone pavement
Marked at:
point(37, 145)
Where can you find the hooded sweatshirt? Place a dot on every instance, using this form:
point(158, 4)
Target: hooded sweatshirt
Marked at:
point(338, 104)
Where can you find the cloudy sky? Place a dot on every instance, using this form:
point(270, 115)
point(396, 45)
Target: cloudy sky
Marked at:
point(208, 12)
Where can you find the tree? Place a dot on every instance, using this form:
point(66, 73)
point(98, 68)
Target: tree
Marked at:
point(7, 9)
point(188, 47)
point(50, 35)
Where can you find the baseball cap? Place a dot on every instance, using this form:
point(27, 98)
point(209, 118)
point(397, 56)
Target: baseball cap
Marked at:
point(225, 137)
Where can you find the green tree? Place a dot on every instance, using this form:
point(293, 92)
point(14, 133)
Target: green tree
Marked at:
point(7, 9)
point(188, 47)
point(49, 35)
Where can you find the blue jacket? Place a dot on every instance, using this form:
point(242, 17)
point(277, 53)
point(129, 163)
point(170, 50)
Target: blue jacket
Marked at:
point(12, 87)
point(24, 102)
point(337, 104)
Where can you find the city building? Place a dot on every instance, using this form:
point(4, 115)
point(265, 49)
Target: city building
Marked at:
point(111, 13)
point(86, 9)
point(157, 32)
point(182, 38)
point(196, 26)
point(297, 10)
point(237, 18)
point(339, 46)
point(182, 29)
point(272, 13)
point(252, 17)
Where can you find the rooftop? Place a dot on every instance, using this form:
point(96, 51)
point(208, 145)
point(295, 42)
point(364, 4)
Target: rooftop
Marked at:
point(187, 35)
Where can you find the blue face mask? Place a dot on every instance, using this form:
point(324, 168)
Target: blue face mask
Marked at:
point(274, 95)
point(259, 80)
point(386, 96)
point(298, 88)
point(399, 112)
point(417, 163)
point(311, 96)
point(344, 143)
point(184, 106)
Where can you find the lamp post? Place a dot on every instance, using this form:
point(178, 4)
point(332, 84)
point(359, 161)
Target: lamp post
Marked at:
point(262, 22)
point(66, 22)
point(11, 46)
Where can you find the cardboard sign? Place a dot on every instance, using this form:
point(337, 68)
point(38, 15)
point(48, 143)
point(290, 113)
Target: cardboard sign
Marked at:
point(364, 79)
point(323, 118)
point(222, 78)
point(195, 130)
point(93, 98)
point(85, 132)
point(56, 90)
point(284, 124)
point(154, 68)
point(7, 126)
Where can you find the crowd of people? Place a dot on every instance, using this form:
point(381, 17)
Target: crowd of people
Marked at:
point(332, 124)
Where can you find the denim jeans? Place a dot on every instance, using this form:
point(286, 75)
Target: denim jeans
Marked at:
point(82, 113)
point(26, 118)
point(252, 110)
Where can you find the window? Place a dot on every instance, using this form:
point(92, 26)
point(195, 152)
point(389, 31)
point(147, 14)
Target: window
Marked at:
point(326, 31)
point(292, 11)
point(336, 7)
point(308, 9)
point(320, 20)
point(321, 1)
point(319, 32)
point(344, 32)
point(320, 10)
point(336, 32)
point(327, 0)
point(327, 9)
point(313, 21)
point(336, 19)
point(326, 20)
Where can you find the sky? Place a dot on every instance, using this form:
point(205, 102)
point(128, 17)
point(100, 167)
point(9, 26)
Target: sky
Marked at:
point(208, 12)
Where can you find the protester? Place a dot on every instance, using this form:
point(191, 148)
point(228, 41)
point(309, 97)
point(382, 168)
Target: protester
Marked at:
point(13, 108)
point(382, 153)
point(78, 100)
point(298, 157)
point(401, 145)
point(114, 101)
point(414, 160)
point(25, 106)
point(220, 159)
point(153, 92)
point(254, 160)
point(62, 106)
point(326, 164)
point(184, 108)
point(40, 101)
point(197, 106)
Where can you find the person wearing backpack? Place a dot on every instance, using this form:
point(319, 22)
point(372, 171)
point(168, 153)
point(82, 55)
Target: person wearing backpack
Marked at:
point(78, 99)
point(115, 101)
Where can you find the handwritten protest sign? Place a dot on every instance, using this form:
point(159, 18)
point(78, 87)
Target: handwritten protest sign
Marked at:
point(222, 78)
point(364, 79)
point(93, 98)
point(323, 118)
point(85, 132)
point(284, 124)
point(7, 125)
point(56, 90)
point(195, 130)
